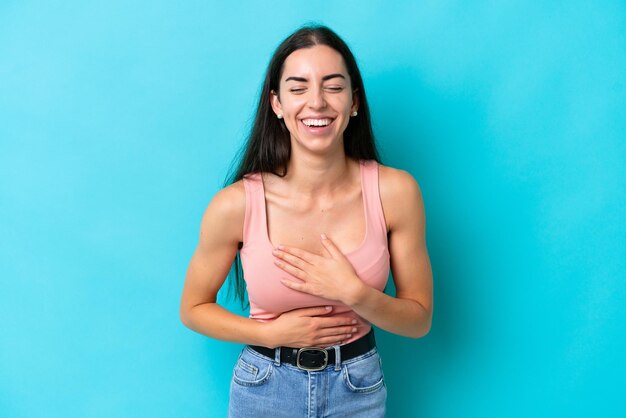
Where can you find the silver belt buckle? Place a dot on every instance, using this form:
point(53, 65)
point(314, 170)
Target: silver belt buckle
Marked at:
point(312, 369)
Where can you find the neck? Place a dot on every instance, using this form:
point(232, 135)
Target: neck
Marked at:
point(315, 174)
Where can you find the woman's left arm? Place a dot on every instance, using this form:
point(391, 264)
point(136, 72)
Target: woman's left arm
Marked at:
point(331, 276)
point(410, 312)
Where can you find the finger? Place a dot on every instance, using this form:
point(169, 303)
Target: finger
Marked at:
point(294, 271)
point(300, 287)
point(330, 247)
point(333, 340)
point(315, 311)
point(300, 253)
point(291, 259)
point(330, 322)
point(327, 332)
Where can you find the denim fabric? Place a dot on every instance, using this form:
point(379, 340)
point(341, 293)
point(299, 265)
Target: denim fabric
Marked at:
point(262, 387)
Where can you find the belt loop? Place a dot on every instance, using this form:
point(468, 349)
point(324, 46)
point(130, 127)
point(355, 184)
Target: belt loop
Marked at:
point(337, 358)
point(277, 356)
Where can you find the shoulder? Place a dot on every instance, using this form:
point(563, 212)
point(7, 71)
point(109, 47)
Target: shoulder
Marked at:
point(400, 195)
point(226, 212)
point(230, 201)
point(395, 182)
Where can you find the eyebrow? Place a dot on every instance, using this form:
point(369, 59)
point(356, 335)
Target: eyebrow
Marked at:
point(326, 77)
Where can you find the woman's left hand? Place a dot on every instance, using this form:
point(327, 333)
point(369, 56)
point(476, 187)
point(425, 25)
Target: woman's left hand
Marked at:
point(330, 276)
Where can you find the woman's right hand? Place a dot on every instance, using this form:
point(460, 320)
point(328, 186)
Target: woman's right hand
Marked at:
point(307, 327)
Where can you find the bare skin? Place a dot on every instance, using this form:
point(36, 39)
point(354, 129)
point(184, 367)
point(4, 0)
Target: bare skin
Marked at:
point(321, 194)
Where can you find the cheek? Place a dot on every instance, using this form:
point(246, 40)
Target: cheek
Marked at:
point(345, 104)
point(292, 105)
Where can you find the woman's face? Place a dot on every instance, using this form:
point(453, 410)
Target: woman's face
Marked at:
point(315, 98)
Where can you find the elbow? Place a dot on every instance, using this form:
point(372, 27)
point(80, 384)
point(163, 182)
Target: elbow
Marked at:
point(419, 321)
point(185, 316)
point(423, 327)
point(420, 331)
point(425, 330)
point(191, 315)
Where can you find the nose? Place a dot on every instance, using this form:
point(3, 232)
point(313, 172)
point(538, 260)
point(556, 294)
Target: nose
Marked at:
point(316, 98)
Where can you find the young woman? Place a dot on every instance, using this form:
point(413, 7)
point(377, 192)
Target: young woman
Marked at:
point(318, 223)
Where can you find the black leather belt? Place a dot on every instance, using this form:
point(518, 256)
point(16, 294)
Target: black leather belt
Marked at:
point(316, 358)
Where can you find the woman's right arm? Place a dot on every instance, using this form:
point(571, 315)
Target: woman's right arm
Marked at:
point(221, 231)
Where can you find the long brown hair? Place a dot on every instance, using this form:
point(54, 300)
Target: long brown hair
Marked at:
point(268, 147)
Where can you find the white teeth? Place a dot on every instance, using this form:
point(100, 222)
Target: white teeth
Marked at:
point(316, 122)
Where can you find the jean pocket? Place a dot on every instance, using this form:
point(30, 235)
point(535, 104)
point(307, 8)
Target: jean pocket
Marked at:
point(365, 374)
point(251, 370)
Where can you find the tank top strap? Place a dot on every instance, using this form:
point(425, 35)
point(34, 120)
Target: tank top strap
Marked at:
point(254, 221)
point(374, 209)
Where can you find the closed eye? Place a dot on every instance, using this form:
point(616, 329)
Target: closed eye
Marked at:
point(332, 89)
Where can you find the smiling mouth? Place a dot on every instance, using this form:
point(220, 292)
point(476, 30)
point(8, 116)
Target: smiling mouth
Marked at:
point(317, 123)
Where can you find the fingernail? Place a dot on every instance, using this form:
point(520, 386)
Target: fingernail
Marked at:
point(328, 308)
point(354, 321)
point(324, 236)
point(349, 335)
point(353, 329)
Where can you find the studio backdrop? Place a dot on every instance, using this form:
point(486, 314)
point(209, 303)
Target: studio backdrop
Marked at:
point(119, 121)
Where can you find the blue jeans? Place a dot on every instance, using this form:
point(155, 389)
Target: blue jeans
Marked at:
point(263, 387)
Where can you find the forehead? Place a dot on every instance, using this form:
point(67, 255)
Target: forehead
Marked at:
point(318, 60)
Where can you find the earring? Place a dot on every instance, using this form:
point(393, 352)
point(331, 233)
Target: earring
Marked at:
point(279, 116)
point(355, 113)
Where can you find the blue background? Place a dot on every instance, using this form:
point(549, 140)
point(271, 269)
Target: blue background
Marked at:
point(118, 122)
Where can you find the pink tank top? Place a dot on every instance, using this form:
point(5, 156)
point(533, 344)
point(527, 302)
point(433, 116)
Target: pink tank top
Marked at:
point(268, 296)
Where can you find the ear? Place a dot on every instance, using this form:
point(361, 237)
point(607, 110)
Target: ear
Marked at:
point(355, 101)
point(275, 102)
